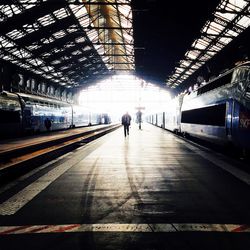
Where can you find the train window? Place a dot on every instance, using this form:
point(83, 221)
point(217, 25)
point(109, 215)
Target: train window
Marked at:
point(216, 83)
point(9, 104)
point(9, 116)
point(213, 115)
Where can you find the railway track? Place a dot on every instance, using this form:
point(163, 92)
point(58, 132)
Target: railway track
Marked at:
point(18, 160)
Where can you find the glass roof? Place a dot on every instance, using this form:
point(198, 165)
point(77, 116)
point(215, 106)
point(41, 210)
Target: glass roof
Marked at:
point(69, 42)
point(231, 18)
point(114, 36)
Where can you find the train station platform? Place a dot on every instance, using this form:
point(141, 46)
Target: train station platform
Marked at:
point(149, 190)
point(18, 155)
point(11, 144)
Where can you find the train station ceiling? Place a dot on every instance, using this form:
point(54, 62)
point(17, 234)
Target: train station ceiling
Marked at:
point(180, 41)
point(69, 42)
point(75, 43)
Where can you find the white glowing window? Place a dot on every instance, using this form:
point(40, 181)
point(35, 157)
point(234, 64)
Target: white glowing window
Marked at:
point(59, 34)
point(80, 40)
point(244, 21)
point(46, 20)
point(61, 13)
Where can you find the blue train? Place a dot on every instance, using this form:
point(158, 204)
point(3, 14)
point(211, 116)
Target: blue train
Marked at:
point(22, 113)
point(217, 111)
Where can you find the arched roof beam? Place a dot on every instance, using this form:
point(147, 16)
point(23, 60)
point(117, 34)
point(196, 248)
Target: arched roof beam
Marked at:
point(46, 31)
point(229, 20)
point(29, 15)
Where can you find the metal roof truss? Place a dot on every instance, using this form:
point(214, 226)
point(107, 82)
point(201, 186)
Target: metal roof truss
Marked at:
point(69, 42)
point(229, 20)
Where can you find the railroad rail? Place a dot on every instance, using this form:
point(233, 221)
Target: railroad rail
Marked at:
point(16, 160)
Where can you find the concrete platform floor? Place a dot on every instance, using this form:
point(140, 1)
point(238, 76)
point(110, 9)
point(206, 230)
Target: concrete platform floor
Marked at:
point(150, 190)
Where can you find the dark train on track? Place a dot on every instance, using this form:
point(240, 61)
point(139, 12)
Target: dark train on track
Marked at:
point(218, 111)
point(22, 114)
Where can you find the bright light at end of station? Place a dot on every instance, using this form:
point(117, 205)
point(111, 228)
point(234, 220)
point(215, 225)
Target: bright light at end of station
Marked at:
point(121, 93)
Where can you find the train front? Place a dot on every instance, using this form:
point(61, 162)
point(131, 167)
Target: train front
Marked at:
point(241, 116)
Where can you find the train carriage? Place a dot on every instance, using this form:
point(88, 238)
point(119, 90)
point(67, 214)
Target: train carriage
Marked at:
point(22, 114)
point(36, 109)
point(220, 110)
point(81, 116)
point(172, 115)
point(10, 115)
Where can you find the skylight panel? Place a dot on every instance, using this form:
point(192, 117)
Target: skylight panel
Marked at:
point(81, 14)
point(195, 67)
point(64, 67)
point(237, 3)
point(87, 48)
point(80, 39)
point(21, 53)
point(61, 13)
point(225, 40)
point(192, 54)
point(76, 52)
point(70, 30)
point(35, 62)
point(200, 44)
point(55, 74)
point(215, 28)
point(55, 62)
point(92, 34)
point(30, 5)
point(7, 11)
point(232, 33)
point(6, 57)
point(30, 1)
point(125, 10)
point(82, 59)
point(15, 9)
point(15, 34)
point(6, 43)
point(244, 21)
point(179, 70)
point(99, 48)
point(128, 37)
point(25, 66)
point(211, 53)
point(185, 63)
point(37, 71)
point(130, 48)
point(78, 11)
point(48, 40)
point(189, 72)
point(216, 34)
point(46, 20)
point(47, 68)
point(84, 21)
point(33, 47)
point(59, 34)
point(29, 28)
point(226, 16)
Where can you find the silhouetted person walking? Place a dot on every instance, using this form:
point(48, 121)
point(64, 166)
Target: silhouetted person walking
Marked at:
point(126, 118)
point(139, 118)
point(47, 123)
